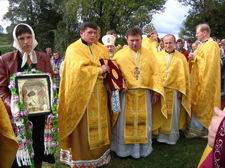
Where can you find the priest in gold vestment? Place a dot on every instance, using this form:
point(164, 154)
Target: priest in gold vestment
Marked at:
point(175, 74)
point(83, 113)
point(205, 82)
point(132, 133)
point(151, 44)
point(109, 43)
point(8, 142)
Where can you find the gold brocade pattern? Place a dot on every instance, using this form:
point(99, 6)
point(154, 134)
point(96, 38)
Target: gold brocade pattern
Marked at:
point(169, 100)
point(167, 123)
point(136, 122)
point(102, 51)
point(175, 75)
point(157, 116)
point(206, 81)
point(8, 142)
point(149, 77)
point(79, 76)
point(98, 134)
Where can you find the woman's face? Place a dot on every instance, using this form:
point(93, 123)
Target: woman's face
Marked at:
point(25, 41)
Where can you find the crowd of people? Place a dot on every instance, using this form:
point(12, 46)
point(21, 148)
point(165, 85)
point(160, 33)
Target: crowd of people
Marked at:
point(114, 98)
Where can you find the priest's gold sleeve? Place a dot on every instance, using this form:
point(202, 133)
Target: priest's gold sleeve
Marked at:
point(8, 143)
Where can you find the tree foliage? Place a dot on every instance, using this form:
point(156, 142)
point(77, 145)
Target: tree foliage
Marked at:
point(42, 15)
point(118, 14)
point(57, 22)
point(204, 11)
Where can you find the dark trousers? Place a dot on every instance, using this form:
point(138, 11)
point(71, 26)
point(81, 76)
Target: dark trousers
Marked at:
point(38, 140)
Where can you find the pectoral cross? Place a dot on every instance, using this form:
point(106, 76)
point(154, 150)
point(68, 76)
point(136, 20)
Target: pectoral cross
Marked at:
point(136, 72)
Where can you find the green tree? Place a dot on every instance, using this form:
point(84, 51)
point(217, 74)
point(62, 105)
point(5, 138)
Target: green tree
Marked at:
point(108, 14)
point(42, 15)
point(204, 11)
point(56, 23)
point(114, 14)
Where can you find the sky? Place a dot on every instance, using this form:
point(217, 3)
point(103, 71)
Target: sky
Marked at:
point(3, 9)
point(171, 19)
point(168, 21)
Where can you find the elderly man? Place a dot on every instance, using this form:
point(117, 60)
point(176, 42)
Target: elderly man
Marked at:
point(83, 113)
point(132, 134)
point(109, 43)
point(175, 73)
point(205, 81)
point(24, 59)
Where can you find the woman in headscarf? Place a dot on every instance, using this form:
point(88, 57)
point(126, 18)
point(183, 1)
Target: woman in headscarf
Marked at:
point(22, 59)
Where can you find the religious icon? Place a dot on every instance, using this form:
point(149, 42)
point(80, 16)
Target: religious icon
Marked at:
point(35, 93)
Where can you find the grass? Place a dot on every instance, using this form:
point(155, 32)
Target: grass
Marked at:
point(5, 43)
point(4, 39)
point(185, 154)
point(6, 48)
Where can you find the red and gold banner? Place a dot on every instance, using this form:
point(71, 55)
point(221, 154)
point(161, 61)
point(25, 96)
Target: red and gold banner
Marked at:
point(114, 76)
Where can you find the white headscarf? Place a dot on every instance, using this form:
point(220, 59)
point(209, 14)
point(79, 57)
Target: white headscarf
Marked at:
point(17, 46)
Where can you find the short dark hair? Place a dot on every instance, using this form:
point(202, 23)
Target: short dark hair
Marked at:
point(189, 41)
point(85, 25)
point(180, 41)
point(133, 32)
point(21, 29)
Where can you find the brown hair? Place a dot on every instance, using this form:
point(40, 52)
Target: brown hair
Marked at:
point(133, 32)
point(21, 29)
point(85, 25)
point(180, 40)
